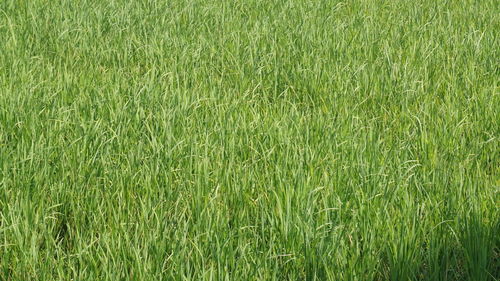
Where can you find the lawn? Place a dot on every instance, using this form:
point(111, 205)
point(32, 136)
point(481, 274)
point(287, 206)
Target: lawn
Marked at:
point(249, 140)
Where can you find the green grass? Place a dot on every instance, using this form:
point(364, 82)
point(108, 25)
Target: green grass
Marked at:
point(249, 140)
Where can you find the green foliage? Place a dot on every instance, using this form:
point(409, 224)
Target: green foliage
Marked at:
point(249, 140)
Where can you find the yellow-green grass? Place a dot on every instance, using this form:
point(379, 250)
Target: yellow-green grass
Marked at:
point(249, 140)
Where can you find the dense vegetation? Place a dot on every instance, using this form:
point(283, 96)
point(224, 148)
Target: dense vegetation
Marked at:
point(249, 140)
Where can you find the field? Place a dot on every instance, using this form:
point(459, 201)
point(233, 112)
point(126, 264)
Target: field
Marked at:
point(249, 140)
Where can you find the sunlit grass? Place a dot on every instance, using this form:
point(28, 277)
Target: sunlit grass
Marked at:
point(249, 140)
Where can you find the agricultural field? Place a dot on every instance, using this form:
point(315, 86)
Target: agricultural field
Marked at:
point(249, 140)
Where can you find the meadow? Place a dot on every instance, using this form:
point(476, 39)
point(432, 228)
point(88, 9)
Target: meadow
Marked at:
point(249, 140)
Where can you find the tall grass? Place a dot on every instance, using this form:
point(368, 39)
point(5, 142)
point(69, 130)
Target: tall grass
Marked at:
point(249, 140)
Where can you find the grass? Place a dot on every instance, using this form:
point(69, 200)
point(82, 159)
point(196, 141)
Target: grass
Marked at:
point(249, 140)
